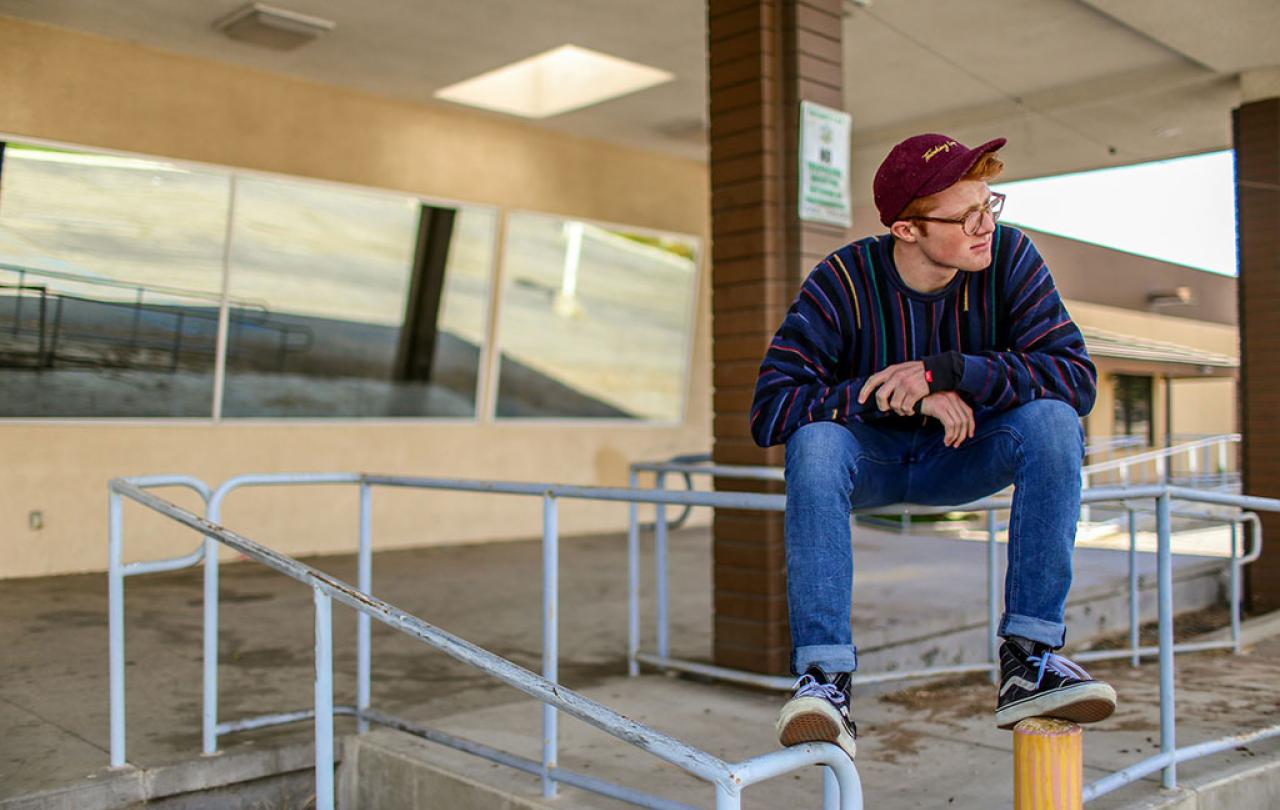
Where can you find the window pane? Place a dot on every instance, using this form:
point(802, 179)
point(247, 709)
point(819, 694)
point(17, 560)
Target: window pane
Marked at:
point(595, 323)
point(1132, 411)
point(326, 326)
point(110, 277)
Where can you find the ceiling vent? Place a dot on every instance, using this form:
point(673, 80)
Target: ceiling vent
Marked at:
point(271, 27)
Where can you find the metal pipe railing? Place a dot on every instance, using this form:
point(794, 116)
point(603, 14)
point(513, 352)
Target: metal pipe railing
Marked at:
point(841, 790)
point(729, 780)
point(989, 505)
point(117, 570)
point(1163, 495)
point(1163, 459)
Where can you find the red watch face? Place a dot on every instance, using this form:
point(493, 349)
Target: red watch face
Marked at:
point(928, 376)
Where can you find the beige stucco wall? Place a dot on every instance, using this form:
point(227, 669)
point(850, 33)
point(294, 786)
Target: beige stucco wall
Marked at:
point(1200, 405)
point(1212, 337)
point(85, 90)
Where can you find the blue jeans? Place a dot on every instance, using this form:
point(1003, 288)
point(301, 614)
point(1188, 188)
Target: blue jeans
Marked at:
point(833, 468)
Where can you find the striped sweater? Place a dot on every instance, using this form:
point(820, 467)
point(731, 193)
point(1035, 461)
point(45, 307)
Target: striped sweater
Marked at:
point(855, 316)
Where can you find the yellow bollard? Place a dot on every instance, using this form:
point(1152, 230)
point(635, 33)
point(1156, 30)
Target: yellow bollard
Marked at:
point(1048, 765)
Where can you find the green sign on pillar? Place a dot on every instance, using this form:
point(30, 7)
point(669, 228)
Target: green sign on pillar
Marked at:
point(824, 165)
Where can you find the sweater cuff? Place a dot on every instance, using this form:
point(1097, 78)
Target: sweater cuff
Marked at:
point(943, 371)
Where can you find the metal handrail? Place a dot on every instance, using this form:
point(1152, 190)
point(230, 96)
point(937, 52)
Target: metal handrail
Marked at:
point(139, 289)
point(842, 787)
point(694, 465)
point(1162, 452)
point(840, 779)
point(1113, 443)
point(286, 343)
point(1163, 494)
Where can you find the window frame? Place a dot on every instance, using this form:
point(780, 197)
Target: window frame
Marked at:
point(691, 339)
point(486, 394)
point(219, 368)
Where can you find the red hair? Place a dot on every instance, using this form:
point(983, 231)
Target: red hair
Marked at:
point(988, 167)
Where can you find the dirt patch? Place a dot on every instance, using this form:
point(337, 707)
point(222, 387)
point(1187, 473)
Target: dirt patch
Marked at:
point(954, 698)
point(893, 743)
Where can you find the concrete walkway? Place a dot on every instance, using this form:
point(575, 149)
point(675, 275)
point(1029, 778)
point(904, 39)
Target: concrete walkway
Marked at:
point(929, 747)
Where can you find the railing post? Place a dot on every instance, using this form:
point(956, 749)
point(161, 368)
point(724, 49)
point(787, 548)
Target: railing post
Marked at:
point(115, 622)
point(365, 581)
point(1164, 566)
point(137, 316)
point(633, 581)
point(727, 798)
point(1235, 585)
point(993, 595)
point(209, 713)
point(1134, 613)
point(1085, 511)
point(660, 566)
point(17, 303)
point(324, 700)
point(1048, 765)
point(550, 635)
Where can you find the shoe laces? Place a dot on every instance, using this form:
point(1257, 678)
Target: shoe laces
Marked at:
point(809, 686)
point(1056, 663)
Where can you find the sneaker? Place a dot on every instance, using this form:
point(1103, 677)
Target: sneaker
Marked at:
point(818, 711)
point(1042, 684)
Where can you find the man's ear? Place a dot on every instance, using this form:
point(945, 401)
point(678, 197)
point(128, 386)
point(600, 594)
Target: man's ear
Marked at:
point(903, 230)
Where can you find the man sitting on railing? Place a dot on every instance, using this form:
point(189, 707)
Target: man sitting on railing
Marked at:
point(934, 364)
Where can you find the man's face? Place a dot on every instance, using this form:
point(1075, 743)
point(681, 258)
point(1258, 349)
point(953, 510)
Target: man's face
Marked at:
point(946, 243)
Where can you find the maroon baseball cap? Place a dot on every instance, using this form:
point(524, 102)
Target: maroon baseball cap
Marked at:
point(920, 166)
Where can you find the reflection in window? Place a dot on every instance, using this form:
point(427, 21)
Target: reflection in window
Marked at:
point(373, 304)
point(595, 322)
point(110, 280)
point(1133, 408)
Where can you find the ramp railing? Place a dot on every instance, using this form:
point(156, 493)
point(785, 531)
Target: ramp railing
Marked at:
point(841, 786)
point(1200, 457)
point(840, 779)
point(990, 507)
point(1132, 498)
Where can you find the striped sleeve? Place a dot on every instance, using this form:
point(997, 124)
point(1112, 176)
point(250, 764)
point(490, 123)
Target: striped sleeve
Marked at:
point(1046, 357)
point(804, 374)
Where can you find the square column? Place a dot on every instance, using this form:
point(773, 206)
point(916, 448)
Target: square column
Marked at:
point(765, 56)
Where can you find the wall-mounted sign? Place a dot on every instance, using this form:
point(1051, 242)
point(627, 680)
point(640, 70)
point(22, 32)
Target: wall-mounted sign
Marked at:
point(824, 165)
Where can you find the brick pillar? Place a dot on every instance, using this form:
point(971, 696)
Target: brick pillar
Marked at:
point(765, 57)
point(1256, 132)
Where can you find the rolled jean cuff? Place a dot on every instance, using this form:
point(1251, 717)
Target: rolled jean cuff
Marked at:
point(830, 658)
point(1052, 633)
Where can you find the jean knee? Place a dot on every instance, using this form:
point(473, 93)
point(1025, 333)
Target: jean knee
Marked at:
point(1051, 428)
point(818, 452)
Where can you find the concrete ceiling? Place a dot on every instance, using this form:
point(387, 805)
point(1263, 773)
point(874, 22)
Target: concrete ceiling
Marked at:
point(1073, 84)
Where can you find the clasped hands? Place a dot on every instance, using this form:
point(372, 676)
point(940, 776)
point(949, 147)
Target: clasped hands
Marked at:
point(900, 387)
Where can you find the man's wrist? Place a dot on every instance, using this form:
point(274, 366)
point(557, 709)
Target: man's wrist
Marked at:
point(943, 371)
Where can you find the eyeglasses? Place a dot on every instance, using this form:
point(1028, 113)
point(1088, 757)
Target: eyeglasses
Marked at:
point(972, 220)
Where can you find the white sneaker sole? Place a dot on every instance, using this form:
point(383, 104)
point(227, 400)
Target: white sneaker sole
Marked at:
point(810, 719)
point(1083, 703)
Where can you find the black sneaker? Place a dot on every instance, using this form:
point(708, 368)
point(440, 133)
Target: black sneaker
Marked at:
point(1042, 684)
point(818, 711)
